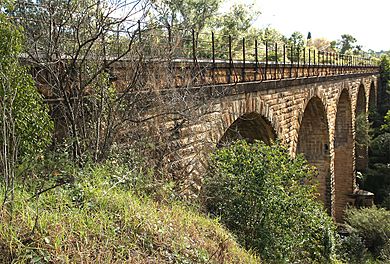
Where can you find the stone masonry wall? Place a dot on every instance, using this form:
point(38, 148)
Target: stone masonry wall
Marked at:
point(283, 104)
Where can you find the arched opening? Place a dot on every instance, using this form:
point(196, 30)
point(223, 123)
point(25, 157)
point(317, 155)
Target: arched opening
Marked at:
point(372, 98)
point(361, 131)
point(343, 156)
point(251, 126)
point(313, 142)
point(361, 100)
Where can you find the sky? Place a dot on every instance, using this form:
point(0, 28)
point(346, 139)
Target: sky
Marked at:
point(367, 21)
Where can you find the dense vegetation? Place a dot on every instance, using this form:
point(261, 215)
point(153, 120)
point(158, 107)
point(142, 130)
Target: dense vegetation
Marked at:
point(369, 228)
point(100, 218)
point(258, 192)
point(368, 239)
point(377, 177)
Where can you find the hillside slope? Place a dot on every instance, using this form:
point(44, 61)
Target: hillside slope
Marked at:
point(95, 223)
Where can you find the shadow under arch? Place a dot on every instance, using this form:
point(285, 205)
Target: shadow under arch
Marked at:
point(361, 101)
point(372, 100)
point(250, 126)
point(343, 156)
point(361, 155)
point(313, 143)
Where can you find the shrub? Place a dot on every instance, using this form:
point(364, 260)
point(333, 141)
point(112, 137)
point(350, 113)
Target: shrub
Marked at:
point(373, 226)
point(24, 115)
point(377, 180)
point(351, 249)
point(258, 191)
point(380, 149)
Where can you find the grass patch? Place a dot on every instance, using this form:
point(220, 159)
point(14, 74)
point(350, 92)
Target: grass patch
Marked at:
point(93, 222)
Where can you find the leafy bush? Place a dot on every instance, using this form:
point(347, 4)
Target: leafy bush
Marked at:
point(380, 149)
point(24, 115)
point(351, 249)
point(377, 180)
point(258, 191)
point(373, 226)
point(363, 130)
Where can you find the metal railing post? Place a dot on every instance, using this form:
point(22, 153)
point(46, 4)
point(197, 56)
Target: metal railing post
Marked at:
point(266, 60)
point(291, 59)
point(243, 60)
point(276, 60)
point(213, 54)
point(230, 59)
point(298, 50)
point(193, 47)
point(308, 70)
point(256, 60)
point(284, 60)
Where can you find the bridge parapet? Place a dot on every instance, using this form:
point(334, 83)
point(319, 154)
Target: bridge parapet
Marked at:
point(185, 73)
point(207, 73)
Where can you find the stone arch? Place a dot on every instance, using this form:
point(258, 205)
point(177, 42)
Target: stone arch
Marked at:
point(372, 99)
point(313, 142)
point(250, 126)
point(361, 159)
point(361, 101)
point(343, 155)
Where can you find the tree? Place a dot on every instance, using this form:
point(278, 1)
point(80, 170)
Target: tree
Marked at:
point(297, 42)
point(297, 39)
point(25, 124)
point(103, 74)
point(321, 44)
point(258, 192)
point(236, 23)
point(73, 45)
point(377, 179)
point(363, 130)
point(372, 225)
point(188, 14)
point(346, 43)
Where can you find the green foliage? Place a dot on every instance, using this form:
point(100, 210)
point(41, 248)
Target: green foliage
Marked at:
point(372, 225)
point(377, 181)
point(190, 14)
point(363, 130)
point(384, 93)
point(380, 149)
point(377, 178)
point(25, 124)
point(258, 191)
point(376, 120)
point(385, 67)
point(237, 23)
point(351, 249)
point(20, 98)
point(96, 219)
point(386, 126)
point(346, 44)
point(297, 39)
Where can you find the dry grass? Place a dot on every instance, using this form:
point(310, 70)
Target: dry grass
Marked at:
point(89, 225)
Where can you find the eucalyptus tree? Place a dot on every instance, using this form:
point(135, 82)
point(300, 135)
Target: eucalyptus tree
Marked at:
point(187, 14)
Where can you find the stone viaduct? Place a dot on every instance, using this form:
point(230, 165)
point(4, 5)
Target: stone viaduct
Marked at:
point(313, 114)
point(307, 99)
point(311, 108)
